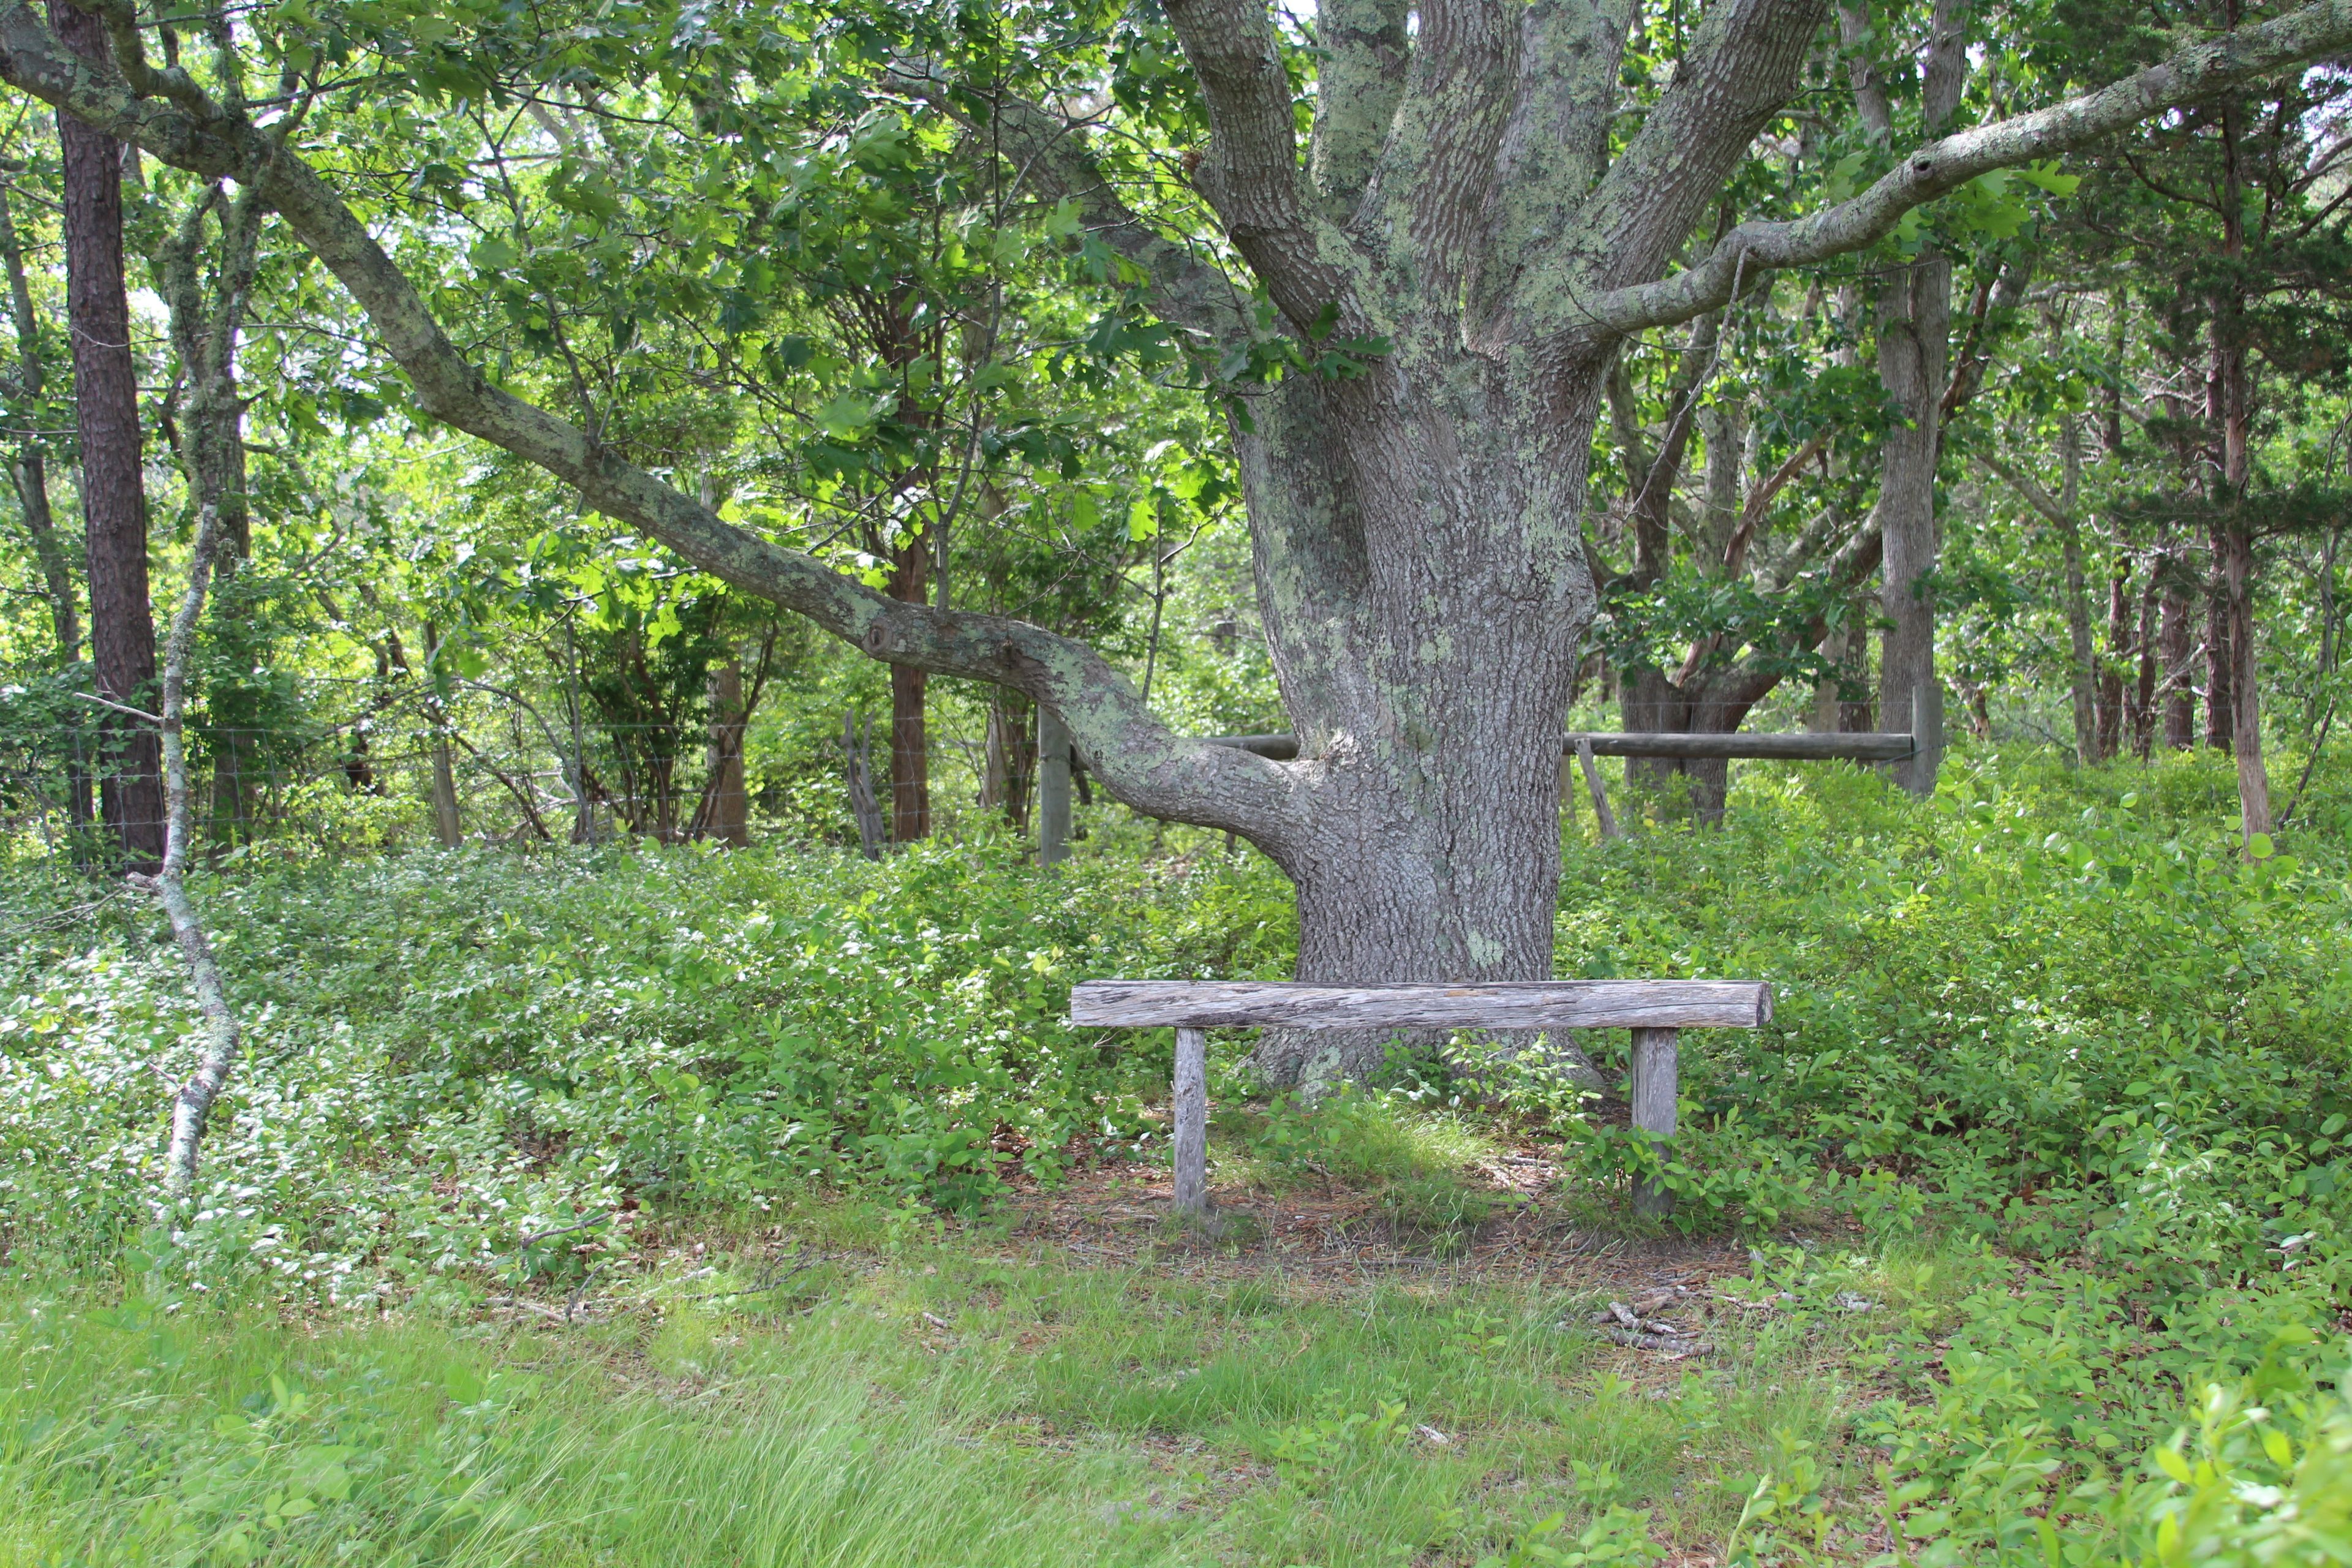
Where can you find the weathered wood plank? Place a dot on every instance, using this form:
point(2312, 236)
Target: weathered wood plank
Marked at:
point(1529, 1004)
point(1657, 1082)
point(1190, 1144)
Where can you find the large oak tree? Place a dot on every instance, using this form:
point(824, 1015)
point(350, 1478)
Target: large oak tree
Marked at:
point(1448, 266)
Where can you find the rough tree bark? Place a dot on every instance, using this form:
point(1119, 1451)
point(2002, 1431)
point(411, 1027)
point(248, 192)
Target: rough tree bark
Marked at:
point(2108, 695)
point(113, 489)
point(1415, 529)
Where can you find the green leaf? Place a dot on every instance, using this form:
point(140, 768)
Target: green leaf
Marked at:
point(2046, 177)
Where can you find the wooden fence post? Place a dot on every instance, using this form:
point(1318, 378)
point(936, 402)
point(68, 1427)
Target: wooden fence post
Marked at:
point(1918, 772)
point(1191, 1145)
point(1053, 789)
point(1656, 1072)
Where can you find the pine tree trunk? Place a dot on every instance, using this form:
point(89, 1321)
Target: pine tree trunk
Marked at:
point(2220, 664)
point(113, 489)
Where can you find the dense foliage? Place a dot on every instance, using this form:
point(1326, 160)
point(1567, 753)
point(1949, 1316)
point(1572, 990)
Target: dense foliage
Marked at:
point(2047, 1019)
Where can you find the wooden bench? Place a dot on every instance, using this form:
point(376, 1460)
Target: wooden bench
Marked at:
point(1655, 1010)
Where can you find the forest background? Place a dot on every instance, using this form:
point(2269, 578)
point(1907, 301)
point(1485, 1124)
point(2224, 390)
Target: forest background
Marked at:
point(610, 944)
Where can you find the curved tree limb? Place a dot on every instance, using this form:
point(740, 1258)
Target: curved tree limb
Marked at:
point(191, 1107)
point(1137, 757)
point(1940, 167)
point(1743, 67)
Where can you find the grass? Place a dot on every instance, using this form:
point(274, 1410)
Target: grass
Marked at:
point(964, 1402)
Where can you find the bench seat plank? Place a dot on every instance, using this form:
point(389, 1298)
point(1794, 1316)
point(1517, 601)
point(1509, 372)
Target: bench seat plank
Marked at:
point(1524, 1005)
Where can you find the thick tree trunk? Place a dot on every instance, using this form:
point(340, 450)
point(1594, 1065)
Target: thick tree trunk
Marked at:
point(113, 489)
point(1427, 657)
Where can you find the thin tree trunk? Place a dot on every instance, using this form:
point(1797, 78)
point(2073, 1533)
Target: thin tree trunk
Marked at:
point(2144, 690)
point(911, 776)
point(1009, 771)
point(2180, 693)
point(2082, 672)
point(2253, 778)
point(731, 818)
point(1913, 354)
point(2233, 393)
point(2220, 666)
point(448, 830)
point(2063, 513)
point(30, 474)
point(113, 489)
point(192, 1107)
point(2109, 694)
point(205, 334)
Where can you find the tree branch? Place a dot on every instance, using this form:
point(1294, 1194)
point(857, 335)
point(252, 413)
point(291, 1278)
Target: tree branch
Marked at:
point(1250, 172)
point(1142, 762)
point(1556, 144)
point(1742, 68)
point(1365, 56)
point(1753, 248)
point(2023, 483)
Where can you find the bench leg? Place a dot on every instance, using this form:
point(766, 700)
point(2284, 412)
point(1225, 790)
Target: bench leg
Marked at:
point(1656, 1077)
point(1191, 1144)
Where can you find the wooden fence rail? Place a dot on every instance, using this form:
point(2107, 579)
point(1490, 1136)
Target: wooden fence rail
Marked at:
point(1655, 1010)
point(1054, 760)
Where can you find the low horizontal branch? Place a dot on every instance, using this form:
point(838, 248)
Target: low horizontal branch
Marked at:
point(1803, 746)
point(1524, 1005)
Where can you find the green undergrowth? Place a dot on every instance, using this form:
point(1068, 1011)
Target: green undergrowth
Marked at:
point(2042, 1162)
point(453, 1054)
